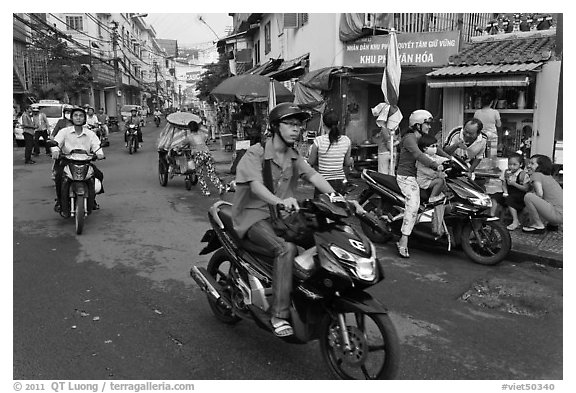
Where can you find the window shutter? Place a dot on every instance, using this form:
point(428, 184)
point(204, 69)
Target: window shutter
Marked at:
point(291, 21)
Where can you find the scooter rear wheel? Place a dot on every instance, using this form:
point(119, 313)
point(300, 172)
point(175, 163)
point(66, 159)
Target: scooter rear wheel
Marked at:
point(376, 236)
point(219, 268)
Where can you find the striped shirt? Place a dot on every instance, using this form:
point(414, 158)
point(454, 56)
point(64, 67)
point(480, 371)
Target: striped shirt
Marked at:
point(331, 157)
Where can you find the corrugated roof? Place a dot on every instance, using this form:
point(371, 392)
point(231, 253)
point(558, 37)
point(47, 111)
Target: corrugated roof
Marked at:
point(484, 69)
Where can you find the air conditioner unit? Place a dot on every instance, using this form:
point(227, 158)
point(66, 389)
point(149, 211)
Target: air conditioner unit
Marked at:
point(291, 21)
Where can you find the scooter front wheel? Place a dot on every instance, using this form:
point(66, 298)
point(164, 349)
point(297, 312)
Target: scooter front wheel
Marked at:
point(374, 351)
point(79, 214)
point(489, 244)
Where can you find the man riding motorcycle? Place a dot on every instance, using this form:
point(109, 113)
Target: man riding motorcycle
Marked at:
point(137, 121)
point(71, 138)
point(251, 213)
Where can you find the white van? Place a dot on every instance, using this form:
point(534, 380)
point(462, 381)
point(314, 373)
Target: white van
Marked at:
point(54, 111)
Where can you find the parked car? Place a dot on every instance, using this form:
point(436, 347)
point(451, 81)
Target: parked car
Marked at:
point(53, 109)
point(126, 110)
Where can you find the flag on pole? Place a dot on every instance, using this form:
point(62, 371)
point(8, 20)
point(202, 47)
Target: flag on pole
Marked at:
point(391, 82)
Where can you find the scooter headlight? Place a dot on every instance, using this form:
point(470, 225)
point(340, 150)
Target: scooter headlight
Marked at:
point(483, 201)
point(364, 268)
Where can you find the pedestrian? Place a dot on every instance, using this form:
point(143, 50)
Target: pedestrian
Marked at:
point(515, 184)
point(420, 123)
point(251, 211)
point(382, 137)
point(468, 142)
point(491, 122)
point(41, 130)
point(203, 160)
point(103, 119)
point(544, 202)
point(331, 153)
point(28, 128)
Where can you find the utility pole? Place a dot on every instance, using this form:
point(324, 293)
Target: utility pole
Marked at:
point(156, 83)
point(117, 76)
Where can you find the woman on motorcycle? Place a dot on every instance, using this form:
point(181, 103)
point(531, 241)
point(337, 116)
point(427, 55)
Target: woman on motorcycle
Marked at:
point(419, 124)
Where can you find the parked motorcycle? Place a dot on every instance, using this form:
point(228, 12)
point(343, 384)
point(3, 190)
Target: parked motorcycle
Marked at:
point(178, 161)
point(157, 120)
point(132, 138)
point(99, 130)
point(77, 200)
point(335, 265)
point(484, 239)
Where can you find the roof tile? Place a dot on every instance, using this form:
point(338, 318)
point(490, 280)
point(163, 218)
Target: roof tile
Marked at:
point(507, 51)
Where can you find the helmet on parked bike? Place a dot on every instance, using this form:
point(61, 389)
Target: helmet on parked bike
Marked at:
point(287, 110)
point(419, 116)
point(74, 110)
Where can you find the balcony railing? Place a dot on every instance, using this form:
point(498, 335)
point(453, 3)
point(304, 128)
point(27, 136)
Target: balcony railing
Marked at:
point(428, 22)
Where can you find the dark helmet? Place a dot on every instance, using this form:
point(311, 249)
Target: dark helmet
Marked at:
point(285, 110)
point(74, 110)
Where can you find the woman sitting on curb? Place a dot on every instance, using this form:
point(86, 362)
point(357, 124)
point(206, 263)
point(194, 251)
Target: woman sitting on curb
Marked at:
point(545, 202)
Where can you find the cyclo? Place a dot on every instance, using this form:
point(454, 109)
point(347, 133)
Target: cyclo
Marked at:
point(174, 152)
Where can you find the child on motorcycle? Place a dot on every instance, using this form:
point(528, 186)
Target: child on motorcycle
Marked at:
point(426, 177)
point(430, 179)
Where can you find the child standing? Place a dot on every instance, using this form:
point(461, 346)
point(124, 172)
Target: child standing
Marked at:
point(514, 186)
point(203, 160)
point(428, 178)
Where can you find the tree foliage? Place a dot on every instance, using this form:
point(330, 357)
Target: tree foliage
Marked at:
point(215, 73)
point(60, 64)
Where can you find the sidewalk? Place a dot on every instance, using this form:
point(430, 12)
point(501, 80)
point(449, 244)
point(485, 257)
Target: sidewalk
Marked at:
point(546, 249)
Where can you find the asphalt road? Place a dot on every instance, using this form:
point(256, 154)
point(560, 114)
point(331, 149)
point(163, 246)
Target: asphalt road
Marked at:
point(117, 301)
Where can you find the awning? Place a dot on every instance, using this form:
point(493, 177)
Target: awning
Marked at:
point(263, 69)
point(485, 69)
point(508, 80)
point(291, 68)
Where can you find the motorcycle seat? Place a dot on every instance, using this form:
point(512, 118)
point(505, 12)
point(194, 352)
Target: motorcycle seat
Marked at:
point(391, 183)
point(225, 214)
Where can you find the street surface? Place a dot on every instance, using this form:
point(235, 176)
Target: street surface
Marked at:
point(117, 302)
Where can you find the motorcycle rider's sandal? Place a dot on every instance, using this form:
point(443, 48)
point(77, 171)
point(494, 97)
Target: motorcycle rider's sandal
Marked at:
point(403, 251)
point(534, 230)
point(282, 327)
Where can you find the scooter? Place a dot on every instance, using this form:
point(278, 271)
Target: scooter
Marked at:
point(132, 138)
point(335, 265)
point(99, 130)
point(77, 196)
point(467, 223)
point(157, 120)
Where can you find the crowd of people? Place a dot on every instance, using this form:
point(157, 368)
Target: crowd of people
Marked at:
point(266, 175)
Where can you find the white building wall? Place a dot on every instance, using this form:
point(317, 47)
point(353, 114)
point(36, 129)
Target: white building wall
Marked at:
point(547, 84)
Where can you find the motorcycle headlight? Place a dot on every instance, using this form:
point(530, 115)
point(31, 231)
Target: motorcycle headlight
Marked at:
point(481, 201)
point(364, 268)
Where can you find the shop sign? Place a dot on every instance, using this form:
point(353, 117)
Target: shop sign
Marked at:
point(103, 73)
point(414, 49)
